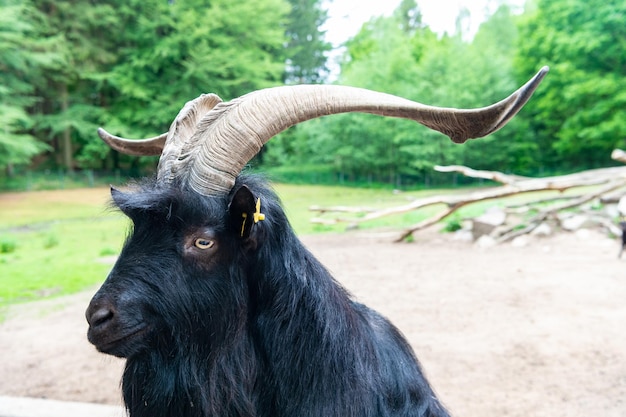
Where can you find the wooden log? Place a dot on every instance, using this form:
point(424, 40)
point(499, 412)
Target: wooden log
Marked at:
point(488, 175)
point(612, 178)
point(511, 232)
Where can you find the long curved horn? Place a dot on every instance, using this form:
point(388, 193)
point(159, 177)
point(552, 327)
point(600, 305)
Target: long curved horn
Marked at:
point(232, 133)
point(180, 131)
point(136, 147)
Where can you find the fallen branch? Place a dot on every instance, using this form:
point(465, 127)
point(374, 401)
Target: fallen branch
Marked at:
point(454, 202)
point(558, 183)
point(488, 175)
point(612, 179)
point(511, 233)
point(525, 186)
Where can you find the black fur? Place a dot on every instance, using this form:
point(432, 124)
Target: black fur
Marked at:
point(622, 226)
point(252, 326)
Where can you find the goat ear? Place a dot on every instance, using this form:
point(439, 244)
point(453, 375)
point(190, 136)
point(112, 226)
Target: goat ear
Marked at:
point(241, 211)
point(115, 193)
point(118, 196)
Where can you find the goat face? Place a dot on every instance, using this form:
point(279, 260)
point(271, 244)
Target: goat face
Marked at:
point(175, 283)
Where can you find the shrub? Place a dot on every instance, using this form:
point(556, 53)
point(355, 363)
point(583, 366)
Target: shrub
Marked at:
point(51, 241)
point(452, 225)
point(7, 245)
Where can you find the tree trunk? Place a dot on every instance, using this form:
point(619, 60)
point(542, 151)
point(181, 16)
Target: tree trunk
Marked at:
point(66, 139)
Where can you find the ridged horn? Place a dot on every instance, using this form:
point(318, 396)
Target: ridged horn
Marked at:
point(232, 133)
point(180, 131)
point(210, 142)
point(136, 147)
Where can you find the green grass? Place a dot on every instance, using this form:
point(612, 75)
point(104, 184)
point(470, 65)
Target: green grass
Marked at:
point(34, 208)
point(298, 198)
point(38, 268)
point(54, 242)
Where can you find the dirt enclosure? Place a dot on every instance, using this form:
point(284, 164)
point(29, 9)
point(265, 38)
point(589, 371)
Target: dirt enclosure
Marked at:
point(538, 330)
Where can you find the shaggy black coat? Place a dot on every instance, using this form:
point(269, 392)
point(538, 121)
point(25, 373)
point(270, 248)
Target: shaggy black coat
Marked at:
point(219, 316)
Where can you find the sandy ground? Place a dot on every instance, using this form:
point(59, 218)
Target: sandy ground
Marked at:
point(507, 331)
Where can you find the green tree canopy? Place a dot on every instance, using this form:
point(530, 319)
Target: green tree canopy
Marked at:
point(579, 115)
point(306, 47)
point(401, 56)
point(127, 65)
point(68, 66)
point(24, 54)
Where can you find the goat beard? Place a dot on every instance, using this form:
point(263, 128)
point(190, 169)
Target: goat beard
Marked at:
point(171, 383)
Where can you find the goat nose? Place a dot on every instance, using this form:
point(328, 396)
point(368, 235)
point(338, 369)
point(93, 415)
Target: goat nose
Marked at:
point(98, 314)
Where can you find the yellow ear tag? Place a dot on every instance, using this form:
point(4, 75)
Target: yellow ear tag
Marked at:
point(258, 216)
point(243, 225)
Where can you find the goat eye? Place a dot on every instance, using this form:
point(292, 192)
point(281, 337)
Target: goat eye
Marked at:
point(204, 243)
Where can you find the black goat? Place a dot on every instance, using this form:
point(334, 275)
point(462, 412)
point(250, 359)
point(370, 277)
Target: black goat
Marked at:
point(218, 307)
point(215, 324)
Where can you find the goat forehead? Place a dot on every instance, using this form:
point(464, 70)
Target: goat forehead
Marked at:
point(176, 207)
point(200, 210)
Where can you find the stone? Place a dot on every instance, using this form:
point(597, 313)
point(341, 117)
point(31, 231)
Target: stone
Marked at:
point(486, 241)
point(520, 241)
point(463, 235)
point(576, 222)
point(543, 230)
point(488, 221)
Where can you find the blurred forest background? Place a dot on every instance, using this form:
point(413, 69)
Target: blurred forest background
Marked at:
point(70, 66)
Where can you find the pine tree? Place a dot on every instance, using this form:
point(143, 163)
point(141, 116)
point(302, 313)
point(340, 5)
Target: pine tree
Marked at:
point(306, 47)
point(23, 56)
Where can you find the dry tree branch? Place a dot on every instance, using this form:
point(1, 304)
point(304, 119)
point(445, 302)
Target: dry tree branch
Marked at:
point(488, 175)
point(512, 185)
point(532, 185)
point(511, 233)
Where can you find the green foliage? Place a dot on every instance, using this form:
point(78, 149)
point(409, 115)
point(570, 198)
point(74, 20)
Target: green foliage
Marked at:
point(579, 116)
point(303, 174)
point(7, 245)
point(23, 56)
point(452, 225)
point(50, 241)
point(16, 147)
point(69, 66)
point(401, 56)
point(199, 47)
point(306, 48)
point(574, 121)
point(108, 252)
point(25, 180)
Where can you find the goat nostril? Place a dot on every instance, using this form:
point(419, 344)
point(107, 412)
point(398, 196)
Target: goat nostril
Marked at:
point(100, 316)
